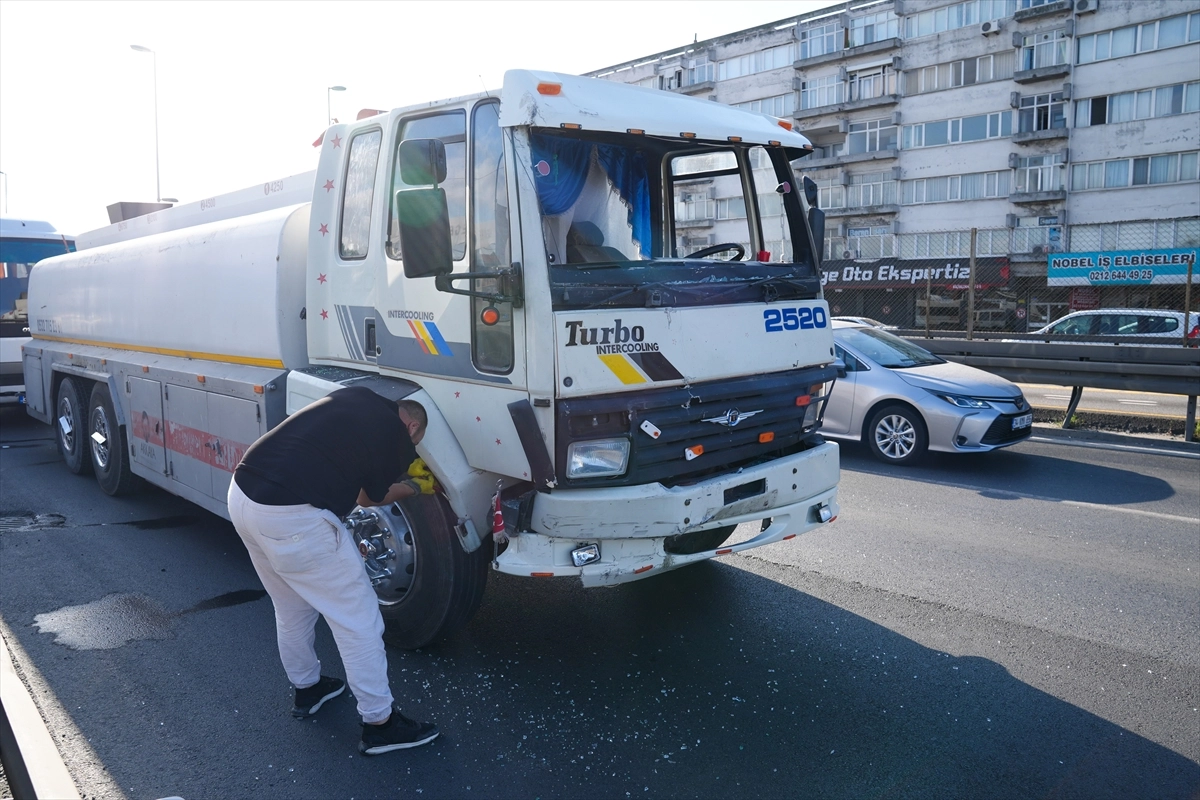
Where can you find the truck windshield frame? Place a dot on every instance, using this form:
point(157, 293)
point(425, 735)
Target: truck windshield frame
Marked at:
point(611, 205)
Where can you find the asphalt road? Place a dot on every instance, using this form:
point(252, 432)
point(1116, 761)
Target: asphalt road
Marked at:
point(1016, 624)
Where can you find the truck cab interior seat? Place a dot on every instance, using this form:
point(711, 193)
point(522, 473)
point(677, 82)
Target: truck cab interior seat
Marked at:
point(585, 245)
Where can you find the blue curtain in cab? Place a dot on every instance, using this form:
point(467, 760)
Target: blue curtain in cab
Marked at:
point(560, 168)
point(627, 172)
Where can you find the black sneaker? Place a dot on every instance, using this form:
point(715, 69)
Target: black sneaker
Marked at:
point(312, 698)
point(398, 733)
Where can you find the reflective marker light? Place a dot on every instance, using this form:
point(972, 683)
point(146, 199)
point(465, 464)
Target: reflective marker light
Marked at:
point(584, 555)
point(598, 458)
point(687, 135)
point(489, 316)
point(695, 451)
point(573, 126)
point(549, 88)
point(783, 123)
point(803, 400)
point(769, 436)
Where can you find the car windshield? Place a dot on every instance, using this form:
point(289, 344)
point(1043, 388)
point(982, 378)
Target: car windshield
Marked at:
point(885, 349)
point(630, 221)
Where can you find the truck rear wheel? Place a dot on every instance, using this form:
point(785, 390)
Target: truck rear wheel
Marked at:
point(70, 425)
point(428, 586)
point(109, 448)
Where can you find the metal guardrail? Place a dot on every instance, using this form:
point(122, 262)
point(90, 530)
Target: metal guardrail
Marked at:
point(1112, 363)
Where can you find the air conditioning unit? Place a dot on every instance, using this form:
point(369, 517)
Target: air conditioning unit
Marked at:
point(1086, 6)
point(993, 27)
point(1040, 249)
point(849, 254)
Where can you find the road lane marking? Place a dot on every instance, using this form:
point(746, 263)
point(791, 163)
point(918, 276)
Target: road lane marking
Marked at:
point(1138, 402)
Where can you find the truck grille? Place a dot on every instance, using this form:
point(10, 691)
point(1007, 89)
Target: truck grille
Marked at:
point(680, 415)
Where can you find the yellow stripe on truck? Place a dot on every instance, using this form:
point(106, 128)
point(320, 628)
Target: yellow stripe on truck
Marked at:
point(622, 368)
point(163, 351)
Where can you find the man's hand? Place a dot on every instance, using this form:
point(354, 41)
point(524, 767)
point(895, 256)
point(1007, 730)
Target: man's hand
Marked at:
point(395, 493)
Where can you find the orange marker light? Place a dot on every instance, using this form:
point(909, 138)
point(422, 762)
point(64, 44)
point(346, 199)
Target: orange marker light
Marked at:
point(640, 570)
point(803, 400)
point(687, 135)
point(145, 369)
point(636, 131)
point(489, 316)
point(541, 574)
point(725, 551)
point(769, 436)
point(786, 125)
point(549, 88)
point(694, 451)
point(774, 143)
point(789, 536)
point(734, 138)
point(571, 126)
point(199, 379)
point(258, 390)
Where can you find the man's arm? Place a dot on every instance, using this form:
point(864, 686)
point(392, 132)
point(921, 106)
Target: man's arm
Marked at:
point(395, 492)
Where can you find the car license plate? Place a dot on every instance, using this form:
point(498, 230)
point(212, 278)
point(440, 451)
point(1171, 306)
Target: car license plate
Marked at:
point(1023, 421)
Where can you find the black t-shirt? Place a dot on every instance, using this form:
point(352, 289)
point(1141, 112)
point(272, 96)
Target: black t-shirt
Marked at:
point(323, 454)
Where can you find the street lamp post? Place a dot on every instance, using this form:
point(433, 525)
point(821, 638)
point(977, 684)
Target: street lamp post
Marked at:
point(328, 111)
point(157, 180)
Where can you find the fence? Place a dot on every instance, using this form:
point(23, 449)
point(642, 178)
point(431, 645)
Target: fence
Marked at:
point(988, 280)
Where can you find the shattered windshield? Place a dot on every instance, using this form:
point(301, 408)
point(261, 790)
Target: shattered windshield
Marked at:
point(630, 220)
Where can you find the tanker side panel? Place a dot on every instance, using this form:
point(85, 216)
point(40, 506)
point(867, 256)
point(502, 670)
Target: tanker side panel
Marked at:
point(229, 291)
point(186, 423)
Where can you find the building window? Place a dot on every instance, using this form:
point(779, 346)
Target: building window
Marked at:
point(1041, 112)
point(820, 40)
point(1039, 174)
point(874, 242)
point(731, 208)
point(1044, 50)
point(700, 70)
point(955, 131)
point(781, 105)
point(973, 186)
point(871, 137)
point(874, 28)
point(1164, 101)
point(1144, 171)
point(968, 72)
point(818, 92)
point(783, 55)
point(1126, 41)
point(957, 16)
point(871, 189)
point(832, 196)
point(866, 84)
point(1136, 235)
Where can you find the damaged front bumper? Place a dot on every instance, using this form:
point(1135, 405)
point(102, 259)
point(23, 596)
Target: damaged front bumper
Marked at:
point(631, 524)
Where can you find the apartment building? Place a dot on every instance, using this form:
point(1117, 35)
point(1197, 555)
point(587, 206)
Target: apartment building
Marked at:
point(1065, 132)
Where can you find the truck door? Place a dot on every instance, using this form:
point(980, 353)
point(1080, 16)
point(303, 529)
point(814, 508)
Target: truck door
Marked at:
point(146, 436)
point(468, 353)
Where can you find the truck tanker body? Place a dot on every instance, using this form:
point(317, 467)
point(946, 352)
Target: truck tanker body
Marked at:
point(523, 263)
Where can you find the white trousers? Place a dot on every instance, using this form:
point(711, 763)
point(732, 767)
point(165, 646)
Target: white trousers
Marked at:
point(309, 565)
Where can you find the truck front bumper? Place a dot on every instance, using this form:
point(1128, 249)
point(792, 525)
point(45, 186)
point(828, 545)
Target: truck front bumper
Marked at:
point(630, 524)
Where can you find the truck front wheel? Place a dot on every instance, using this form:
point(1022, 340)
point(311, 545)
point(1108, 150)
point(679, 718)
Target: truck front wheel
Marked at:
point(109, 451)
point(70, 427)
point(428, 586)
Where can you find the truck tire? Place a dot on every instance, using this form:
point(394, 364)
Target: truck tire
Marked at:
point(109, 448)
point(70, 425)
point(896, 434)
point(434, 586)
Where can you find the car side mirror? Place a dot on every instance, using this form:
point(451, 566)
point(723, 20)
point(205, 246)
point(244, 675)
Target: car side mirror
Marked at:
point(840, 366)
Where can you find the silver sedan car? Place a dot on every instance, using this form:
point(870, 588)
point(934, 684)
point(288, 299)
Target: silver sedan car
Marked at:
point(903, 400)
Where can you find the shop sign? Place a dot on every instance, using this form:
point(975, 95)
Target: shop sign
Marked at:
point(888, 273)
point(1120, 267)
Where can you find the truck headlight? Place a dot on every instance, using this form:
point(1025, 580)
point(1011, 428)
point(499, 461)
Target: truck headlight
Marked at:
point(597, 458)
point(963, 402)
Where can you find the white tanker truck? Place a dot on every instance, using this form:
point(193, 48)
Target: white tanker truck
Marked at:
point(524, 264)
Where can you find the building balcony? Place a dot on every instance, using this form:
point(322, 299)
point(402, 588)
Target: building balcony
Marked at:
point(849, 105)
point(853, 158)
point(1029, 137)
point(697, 88)
point(1049, 9)
point(862, 211)
point(1042, 73)
point(695, 223)
point(1025, 198)
point(882, 46)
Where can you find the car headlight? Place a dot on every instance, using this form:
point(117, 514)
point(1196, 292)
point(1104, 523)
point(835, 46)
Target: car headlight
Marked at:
point(597, 458)
point(962, 402)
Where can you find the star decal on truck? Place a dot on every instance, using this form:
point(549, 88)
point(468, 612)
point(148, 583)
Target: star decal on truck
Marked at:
point(324, 314)
point(328, 185)
point(337, 140)
point(321, 278)
point(324, 228)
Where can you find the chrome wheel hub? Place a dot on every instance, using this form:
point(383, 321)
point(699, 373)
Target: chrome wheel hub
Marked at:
point(66, 423)
point(895, 436)
point(385, 540)
point(100, 437)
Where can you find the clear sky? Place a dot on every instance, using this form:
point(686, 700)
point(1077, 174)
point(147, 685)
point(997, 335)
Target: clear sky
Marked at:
point(242, 86)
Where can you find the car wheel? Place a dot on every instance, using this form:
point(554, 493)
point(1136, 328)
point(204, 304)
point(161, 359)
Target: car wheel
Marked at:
point(71, 425)
point(896, 434)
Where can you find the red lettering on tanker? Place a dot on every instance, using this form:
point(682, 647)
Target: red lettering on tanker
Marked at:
point(223, 454)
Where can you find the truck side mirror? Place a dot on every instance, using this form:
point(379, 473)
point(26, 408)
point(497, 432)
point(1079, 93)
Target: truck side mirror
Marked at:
point(816, 221)
point(422, 162)
point(424, 231)
point(810, 192)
